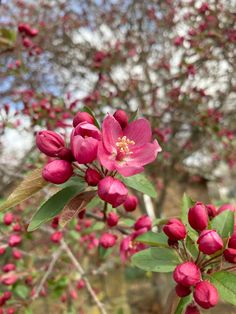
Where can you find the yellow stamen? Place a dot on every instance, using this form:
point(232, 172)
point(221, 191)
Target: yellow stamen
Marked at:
point(123, 144)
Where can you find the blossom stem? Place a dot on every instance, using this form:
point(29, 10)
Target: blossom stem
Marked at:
point(229, 268)
point(105, 211)
point(78, 167)
point(210, 260)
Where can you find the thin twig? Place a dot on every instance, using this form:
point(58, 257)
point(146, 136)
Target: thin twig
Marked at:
point(82, 273)
point(55, 257)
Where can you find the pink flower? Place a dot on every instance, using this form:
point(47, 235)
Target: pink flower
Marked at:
point(8, 279)
point(224, 207)
point(128, 150)
point(205, 294)
point(8, 219)
point(230, 255)
point(112, 191)
point(182, 291)
point(175, 230)
point(130, 203)
point(128, 246)
point(192, 309)
point(92, 177)
point(8, 267)
point(143, 222)
point(56, 236)
point(232, 241)
point(198, 217)
point(14, 240)
point(121, 117)
point(112, 219)
point(84, 142)
point(108, 240)
point(187, 274)
point(49, 142)
point(57, 171)
point(82, 117)
point(209, 242)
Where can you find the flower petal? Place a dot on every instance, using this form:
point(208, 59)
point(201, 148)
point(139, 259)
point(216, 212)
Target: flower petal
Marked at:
point(105, 158)
point(144, 155)
point(111, 130)
point(139, 131)
point(128, 170)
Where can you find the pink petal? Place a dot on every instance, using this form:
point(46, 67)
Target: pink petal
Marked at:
point(128, 171)
point(139, 131)
point(145, 154)
point(105, 158)
point(111, 130)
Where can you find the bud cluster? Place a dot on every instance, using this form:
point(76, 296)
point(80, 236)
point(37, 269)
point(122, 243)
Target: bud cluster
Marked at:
point(98, 155)
point(190, 275)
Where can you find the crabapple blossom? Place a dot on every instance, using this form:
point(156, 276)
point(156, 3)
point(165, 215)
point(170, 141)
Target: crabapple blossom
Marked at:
point(127, 150)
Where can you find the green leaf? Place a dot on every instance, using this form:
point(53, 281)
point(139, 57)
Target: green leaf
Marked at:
point(153, 239)
point(140, 183)
point(88, 110)
point(225, 282)
point(134, 115)
point(192, 247)
point(30, 185)
point(22, 291)
point(187, 203)
point(104, 253)
point(127, 222)
point(183, 302)
point(72, 182)
point(53, 206)
point(162, 260)
point(224, 223)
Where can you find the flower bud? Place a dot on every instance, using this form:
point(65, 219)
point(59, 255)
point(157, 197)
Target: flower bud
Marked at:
point(57, 171)
point(108, 240)
point(232, 241)
point(211, 210)
point(205, 294)
point(143, 222)
point(80, 284)
point(9, 280)
point(85, 129)
point(182, 291)
point(7, 295)
point(209, 242)
point(198, 217)
point(192, 309)
point(84, 149)
point(14, 240)
point(92, 177)
point(130, 203)
point(56, 236)
point(224, 207)
point(112, 219)
point(175, 230)
point(16, 254)
point(50, 143)
point(8, 267)
point(82, 116)
point(8, 219)
point(230, 255)
point(65, 154)
point(121, 117)
point(112, 191)
point(187, 274)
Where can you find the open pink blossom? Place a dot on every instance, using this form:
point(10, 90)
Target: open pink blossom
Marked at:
point(127, 150)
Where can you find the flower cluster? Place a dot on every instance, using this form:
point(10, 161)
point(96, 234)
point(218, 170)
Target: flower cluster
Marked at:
point(191, 276)
point(120, 147)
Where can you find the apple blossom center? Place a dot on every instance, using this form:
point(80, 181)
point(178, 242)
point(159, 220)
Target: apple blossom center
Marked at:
point(123, 148)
